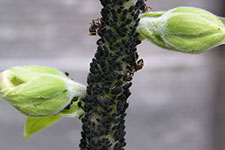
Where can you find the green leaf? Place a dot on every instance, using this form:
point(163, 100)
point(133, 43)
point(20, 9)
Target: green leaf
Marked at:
point(35, 124)
point(153, 14)
point(223, 42)
point(222, 19)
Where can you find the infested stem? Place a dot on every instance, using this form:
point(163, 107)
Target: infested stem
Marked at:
point(111, 72)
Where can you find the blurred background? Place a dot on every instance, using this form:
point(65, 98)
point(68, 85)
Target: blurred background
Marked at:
point(177, 100)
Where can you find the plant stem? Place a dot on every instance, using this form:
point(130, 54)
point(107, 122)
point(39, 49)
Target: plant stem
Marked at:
point(111, 71)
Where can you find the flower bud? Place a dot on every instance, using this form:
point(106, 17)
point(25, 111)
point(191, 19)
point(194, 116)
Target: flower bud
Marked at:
point(38, 91)
point(185, 29)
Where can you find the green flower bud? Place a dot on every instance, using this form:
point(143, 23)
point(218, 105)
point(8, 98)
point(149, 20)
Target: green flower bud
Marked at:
point(185, 29)
point(38, 91)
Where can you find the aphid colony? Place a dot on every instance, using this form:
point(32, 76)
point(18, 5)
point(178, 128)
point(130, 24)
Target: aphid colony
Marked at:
point(111, 71)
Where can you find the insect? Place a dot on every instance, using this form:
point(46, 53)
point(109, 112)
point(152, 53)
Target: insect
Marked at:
point(146, 8)
point(95, 26)
point(66, 73)
point(139, 65)
point(128, 75)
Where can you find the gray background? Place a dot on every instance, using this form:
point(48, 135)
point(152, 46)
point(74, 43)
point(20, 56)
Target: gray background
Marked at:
point(177, 101)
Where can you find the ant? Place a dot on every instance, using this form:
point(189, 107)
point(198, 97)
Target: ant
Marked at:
point(147, 8)
point(139, 65)
point(130, 73)
point(128, 76)
point(95, 26)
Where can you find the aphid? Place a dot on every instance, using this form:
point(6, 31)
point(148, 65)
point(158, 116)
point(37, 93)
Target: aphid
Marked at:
point(119, 10)
point(136, 16)
point(131, 9)
point(119, 66)
point(116, 90)
point(124, 12)
point(67, 74)
point(119, 106)
point(113, 12)
point(95, 26)
point(79, 104)
point(65, 91)
point(118, 83)
point(128, 21)
point(119, 76)
point(106, 101)
point(67, 107)
point(75, 99)
point(115, 18)
point(106, 89)
point(127, 93)
point(127, 85)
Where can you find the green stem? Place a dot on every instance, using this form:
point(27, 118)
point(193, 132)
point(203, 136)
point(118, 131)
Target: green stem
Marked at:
point(111, 71)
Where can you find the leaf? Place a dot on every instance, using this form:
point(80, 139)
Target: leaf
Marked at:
point(153, 14)
point(223, 42)
point(222, 19)
point(35, 124)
